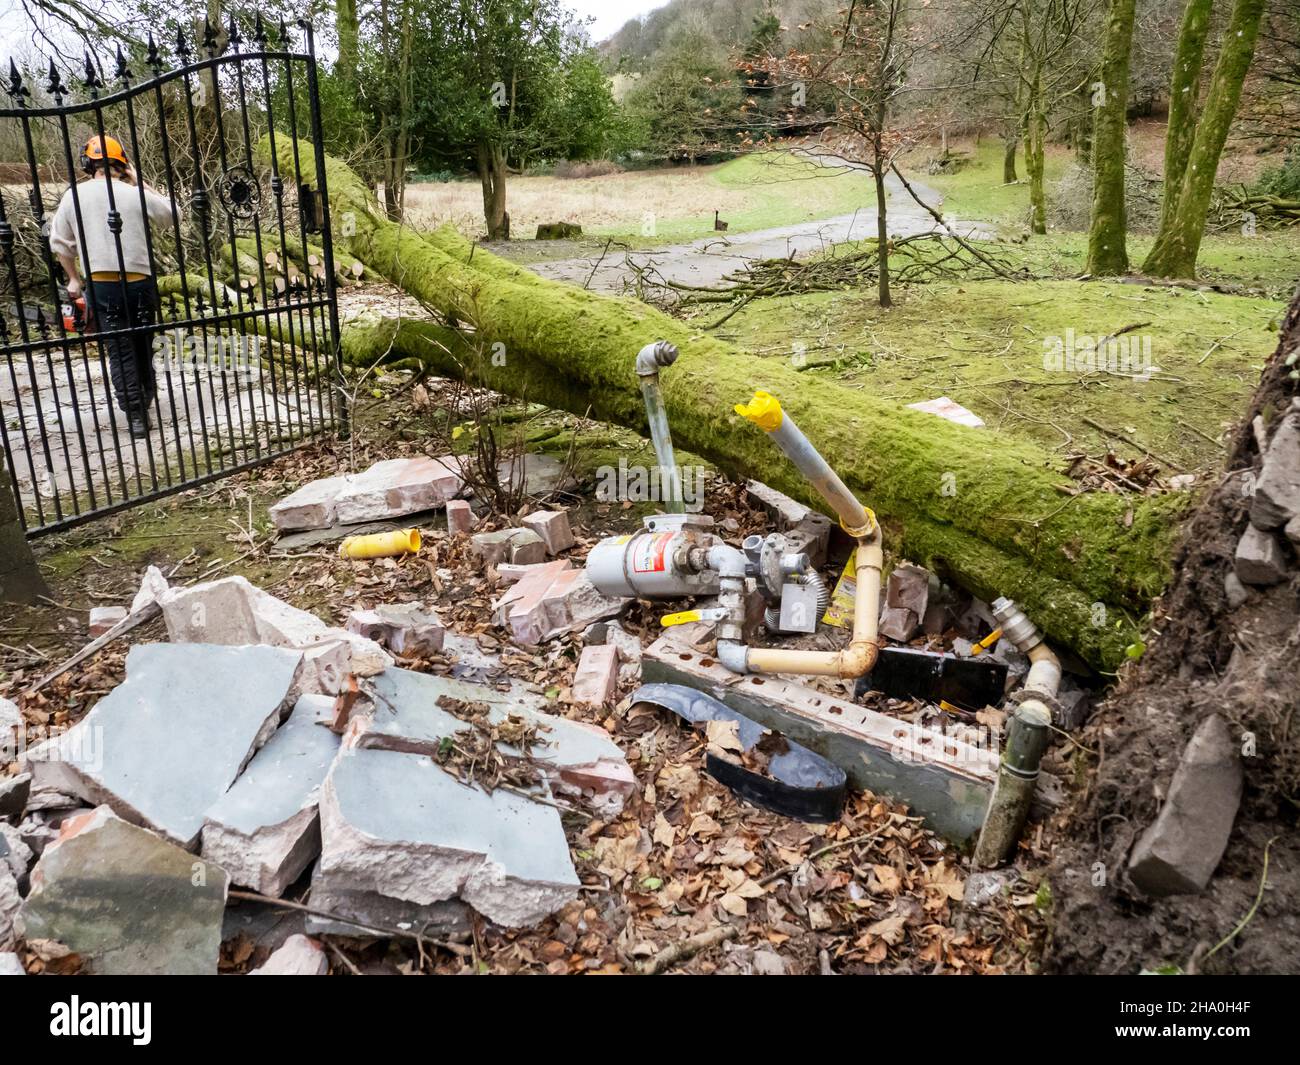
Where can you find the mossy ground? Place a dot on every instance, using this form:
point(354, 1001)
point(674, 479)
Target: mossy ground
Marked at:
point(751, 192)
point(1264, 262)
point(982, 344)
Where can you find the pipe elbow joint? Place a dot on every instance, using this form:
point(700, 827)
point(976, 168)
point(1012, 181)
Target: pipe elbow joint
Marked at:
point(733, 655)
point(652, 357)
point(858, 659)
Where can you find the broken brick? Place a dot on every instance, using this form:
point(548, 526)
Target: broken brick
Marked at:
point(596, 679)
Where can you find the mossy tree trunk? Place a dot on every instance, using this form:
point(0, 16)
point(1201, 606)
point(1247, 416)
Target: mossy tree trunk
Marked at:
point(1184, 93)
point(1108, 233)
point(1035, 166)
point(1179, 240)
point(491, 160)
point(1009, 143)
point(985, 510)
point(881, 164)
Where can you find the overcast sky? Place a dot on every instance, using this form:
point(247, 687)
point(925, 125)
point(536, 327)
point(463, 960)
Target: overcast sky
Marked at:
point(610, 14)
point(16, 30)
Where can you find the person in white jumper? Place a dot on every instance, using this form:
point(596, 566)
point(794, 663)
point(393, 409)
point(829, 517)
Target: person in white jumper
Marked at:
point(120, 290)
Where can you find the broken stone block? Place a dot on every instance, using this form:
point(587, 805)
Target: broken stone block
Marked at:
point(498, 546)
point(404, 628)
point(596, 679)
point(15, 853)
point(811, 537)
point(231, 611)
point(538, 476)
point(527, 549)
point(783, 511)
point(1277, 489)
point(11, 965)
point(550, 600)
point(300, 956)
point(1234, 590)
point(767, 963)
point(313, 506)
point(577, 758)
point(553, 527)
point(378, 913)
point(1179, 852)
point(265, 831)
point(397, 487)
point(629, 651)
point(899, 623)
point(11, 902)
point(128, 902)
point(167, 743)
point(908, 588)
point(398, 825)
point(1260, 559)
point(460, 519)
point(11, 730)
point(103, 618)
point(13, 795)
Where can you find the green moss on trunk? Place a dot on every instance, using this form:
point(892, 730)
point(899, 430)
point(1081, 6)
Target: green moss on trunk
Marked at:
point(1107, 236)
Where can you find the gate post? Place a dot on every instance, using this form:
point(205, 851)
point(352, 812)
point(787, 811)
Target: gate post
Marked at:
point(20, 579)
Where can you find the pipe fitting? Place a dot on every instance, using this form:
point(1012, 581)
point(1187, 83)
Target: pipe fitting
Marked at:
point(653, 356)
point(734, 655)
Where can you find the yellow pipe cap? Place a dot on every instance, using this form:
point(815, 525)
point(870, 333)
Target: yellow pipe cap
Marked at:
point(764, 410)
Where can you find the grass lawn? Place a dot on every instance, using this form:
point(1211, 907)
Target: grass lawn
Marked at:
point(757, 191)
point(1265, 262)
point(983, 345)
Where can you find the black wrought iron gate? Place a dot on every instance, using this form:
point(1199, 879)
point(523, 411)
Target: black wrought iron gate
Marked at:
point(205, 338)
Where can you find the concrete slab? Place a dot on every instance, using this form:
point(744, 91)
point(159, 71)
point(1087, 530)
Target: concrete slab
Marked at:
point(404, 628)
point(265, 830)
point(398, 825)
point(942, 779)
point(579, 759)
point(395, 487)
point(165, 745)
point(233, 611)
point(313, 506)
point(127, 901)
point(378, 912)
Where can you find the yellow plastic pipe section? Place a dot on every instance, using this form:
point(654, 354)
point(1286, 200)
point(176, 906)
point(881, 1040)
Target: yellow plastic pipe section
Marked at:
point(381, 545)
point(764, 410)
point(860, 655)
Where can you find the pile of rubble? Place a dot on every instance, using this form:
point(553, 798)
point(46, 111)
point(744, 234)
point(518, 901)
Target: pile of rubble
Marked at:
point(261, 742)
point(1266, 552)
point(261, 750)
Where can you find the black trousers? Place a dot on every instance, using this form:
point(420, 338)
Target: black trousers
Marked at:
point(130, 356)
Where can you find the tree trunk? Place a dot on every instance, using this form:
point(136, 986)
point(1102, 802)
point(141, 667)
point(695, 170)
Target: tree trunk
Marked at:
point(882, 226)
point(1107, 248)
point(349, 31)
point(1178, 243)
point(1184, 89)
point(492, 176)
point(1009, 144)
point(1035, 165)
point(984, 510)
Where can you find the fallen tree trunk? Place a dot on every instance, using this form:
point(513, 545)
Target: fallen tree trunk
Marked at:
point(991, 512)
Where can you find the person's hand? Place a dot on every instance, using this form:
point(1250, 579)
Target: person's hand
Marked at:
point(74, 287)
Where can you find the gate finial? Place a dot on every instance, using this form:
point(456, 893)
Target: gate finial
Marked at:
point(91, 78)
point(123, 72)
point(259, 32)
point(154, 57)
point(54, 86)
point(16, 88)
